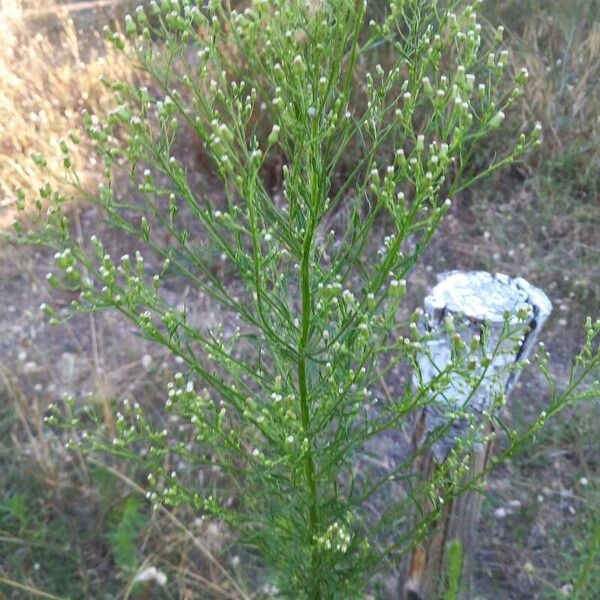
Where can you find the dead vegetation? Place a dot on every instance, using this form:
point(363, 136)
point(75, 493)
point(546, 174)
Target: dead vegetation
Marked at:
point(48, 79)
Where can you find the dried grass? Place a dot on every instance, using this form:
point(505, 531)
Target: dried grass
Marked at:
point(563, 60)
point(46, 81)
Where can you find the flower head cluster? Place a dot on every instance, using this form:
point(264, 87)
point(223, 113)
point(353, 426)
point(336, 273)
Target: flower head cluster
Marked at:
point(337, 538)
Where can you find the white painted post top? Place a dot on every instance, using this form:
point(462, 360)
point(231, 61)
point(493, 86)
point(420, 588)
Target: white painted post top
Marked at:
point(475, 299)
point(481, 296)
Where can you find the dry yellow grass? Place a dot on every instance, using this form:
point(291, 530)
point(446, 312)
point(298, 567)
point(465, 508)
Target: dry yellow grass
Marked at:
point(563, 60)
point(46, 80)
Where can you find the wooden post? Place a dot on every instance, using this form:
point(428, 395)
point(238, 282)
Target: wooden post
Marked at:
point(469, 300)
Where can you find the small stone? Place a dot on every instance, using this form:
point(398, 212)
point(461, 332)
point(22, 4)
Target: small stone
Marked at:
point(30, 366)
point(566, 589)
point(500, 513)
point(66, 368)
point(566, 493)
point(584, 481)
point(146, 361)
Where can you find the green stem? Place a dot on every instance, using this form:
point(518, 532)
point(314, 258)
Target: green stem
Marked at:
point(314, 585)
point(309, 466)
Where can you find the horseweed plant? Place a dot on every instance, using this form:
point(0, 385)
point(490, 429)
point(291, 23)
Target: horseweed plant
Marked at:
point(278, 402)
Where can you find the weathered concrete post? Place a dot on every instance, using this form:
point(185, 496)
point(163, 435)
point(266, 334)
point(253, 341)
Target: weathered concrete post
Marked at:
point(470, 301)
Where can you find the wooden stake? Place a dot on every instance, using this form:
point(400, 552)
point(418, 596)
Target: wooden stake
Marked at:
point(468, 300)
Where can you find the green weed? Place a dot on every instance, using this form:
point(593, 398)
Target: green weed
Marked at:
point(274, 410)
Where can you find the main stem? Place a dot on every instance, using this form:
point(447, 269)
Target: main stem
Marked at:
point(309, 466)
point(306, 318)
